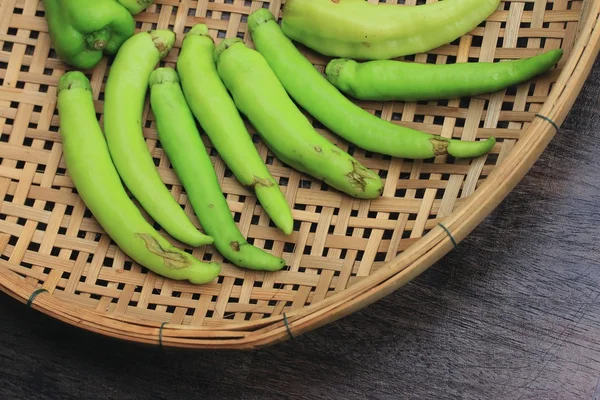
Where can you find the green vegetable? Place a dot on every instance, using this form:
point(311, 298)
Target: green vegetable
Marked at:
point(397, 80)
point(182, 143)
point(220, 119)
point(83, 31)
point(286, 131)
point(315, 94)
point(90, 167)
point(125, 95)
point(361, 30)
point(136, 6)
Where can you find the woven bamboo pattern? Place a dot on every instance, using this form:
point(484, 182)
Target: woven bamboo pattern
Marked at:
point(343, 254)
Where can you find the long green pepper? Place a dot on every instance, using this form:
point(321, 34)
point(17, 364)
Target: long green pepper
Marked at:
point(398, 80)
point(322, 100)
point(182, 143)
point(125, 95)
point(359, 29)
point(82, 32)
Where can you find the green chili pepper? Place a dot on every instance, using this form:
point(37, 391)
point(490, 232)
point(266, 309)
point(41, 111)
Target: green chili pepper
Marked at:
point(83, 31)
point(361, 30)
point(90, 167)
point(125, 94)
point(397, 80)
point(220, 119)
point(260, 96)
point(136, 6)
point(315, 94)
point(182, 143)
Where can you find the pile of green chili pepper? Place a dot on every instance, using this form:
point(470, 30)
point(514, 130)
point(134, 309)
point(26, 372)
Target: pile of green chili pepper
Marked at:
point(217, 85)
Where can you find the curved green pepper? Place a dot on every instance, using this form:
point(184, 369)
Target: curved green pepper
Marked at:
point(125, 95)
point(398, 80)
point(83, 31)
point(362, 30)
point(135, 6)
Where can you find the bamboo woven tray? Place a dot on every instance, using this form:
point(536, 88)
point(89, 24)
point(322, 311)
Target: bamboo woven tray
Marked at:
point(343, 254)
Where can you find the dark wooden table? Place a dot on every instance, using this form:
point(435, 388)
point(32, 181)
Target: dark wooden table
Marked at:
point(513, 313)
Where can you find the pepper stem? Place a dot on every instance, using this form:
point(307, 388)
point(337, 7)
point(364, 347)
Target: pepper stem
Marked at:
point(98, 40)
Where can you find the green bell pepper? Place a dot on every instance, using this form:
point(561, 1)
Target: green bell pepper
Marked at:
point(83, 31)
point(136, 6)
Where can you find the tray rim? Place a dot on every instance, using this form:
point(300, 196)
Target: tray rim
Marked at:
point(394, 274)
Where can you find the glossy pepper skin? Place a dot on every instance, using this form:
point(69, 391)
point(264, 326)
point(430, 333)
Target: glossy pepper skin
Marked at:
point(82, 32)
point(405, 81)
point(136, 6)
point(362, 30)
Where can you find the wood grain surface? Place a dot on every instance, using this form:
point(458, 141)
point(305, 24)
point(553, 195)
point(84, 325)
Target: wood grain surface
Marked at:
point(513, 313)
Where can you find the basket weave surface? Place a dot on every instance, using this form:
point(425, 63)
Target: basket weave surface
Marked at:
point(343, 253)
